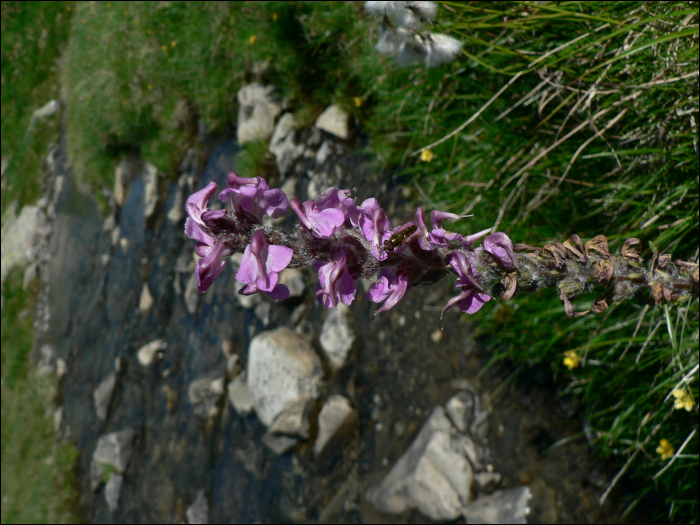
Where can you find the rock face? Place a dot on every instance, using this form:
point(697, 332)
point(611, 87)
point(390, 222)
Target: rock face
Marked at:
point(282, 367)
point(337, 337)
point(433, 476)
point(19, 236)
point(504, 506)
point(205, 394)
point(112, 489)
point(240, 396)
point(198, 512)
point(336, 424)
point(334, 120)
point(113, 450)
point(257, 111)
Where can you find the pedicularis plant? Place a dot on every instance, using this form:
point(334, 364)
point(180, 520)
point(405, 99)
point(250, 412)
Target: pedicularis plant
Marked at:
point(342, 242)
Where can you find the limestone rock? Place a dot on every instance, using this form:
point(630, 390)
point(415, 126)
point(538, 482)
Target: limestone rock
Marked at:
point(504, 506)
point(336, 336)
point(282, 367)
point(150, 176)
point(148, 352)
point(146, 300)
point(336, 422)
point(487, 481)
point(47, 360)
point(294, 420)
point(103, 395)
point(198, 512)
point(293, 279)
point(204, 395)
point(112, 489)
point(240, 396)
point(191, 296)
point(19, 236)
point(284, 146)
point(112, 450)
point(466, 413)
point(50, 108)
point(433, 476)
point(279, 443)
point(334, 120)
point(257, 112)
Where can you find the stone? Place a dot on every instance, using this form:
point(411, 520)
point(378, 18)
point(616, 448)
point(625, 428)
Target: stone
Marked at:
point(464, 409)
point(177, 211)
point(240, 395)
point(146, 300)
point(257, 111)
point(47, 360)
point(293, 279)
point(50, 108)
point(336, 423)
point(148, 352)
point(19, 237)
point(150, 177)
point(337, 337)
point(283, 145)
point(294, 420)
point(119, 184)
point(30, 274)
point(289, 187)
point(191, 295)
point(124, 244)
point(504, 506)
point(113, 450)
point(487, 481)
point(198, 512)
point(205, 394)
point(112, 489)
point(102, 396)
point(282, 367)
point(116, 235)
point(433, 475)
point(334, 120)
point(279, 443)
point(246, 301)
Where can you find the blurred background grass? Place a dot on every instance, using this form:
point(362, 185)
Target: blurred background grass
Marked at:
point(558, 118)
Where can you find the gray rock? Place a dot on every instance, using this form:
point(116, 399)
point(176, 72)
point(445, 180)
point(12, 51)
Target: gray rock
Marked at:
point(148, 352)
point(246, 301)
point(282, 367)
point(337, 337)
point(284, 146)
point(262, 312)
point(279, 443)
point(19, 238)
point(334, 120)
point(466, 413)
point(240, 396)
point(504, 506)
point(50, 108)
point(103, 395)
point(205, 394)
point(433, 476)
point(113, 450)
point(47, 360)
point(293, 279)
point(487, 481)
point(192, 294)
point(150, 176)
point(294, 420)
point(112, 489)
point(177, 211)
point(257, 111)
point(116, 235)
point(198, 512)
point(336, 421)
point(146, 300)
point(289, 187)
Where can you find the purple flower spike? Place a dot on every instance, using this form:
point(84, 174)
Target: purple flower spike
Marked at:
point(389, 289)
point(501, 247)
point(210, 265)
point(335, 282)
point(260, 267)
point(198, 202)
point(375, 227)
point(322, 223)
point(469, 301)
point(254, 196)
point(424, 238)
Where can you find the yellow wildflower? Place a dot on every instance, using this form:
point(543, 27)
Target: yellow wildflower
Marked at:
point(358, 101)
point(683, 399)
point(165, 48)
point(274, 16)
point(572, 360)
point(173, 43)
point(136, 21)
point(665, 449)
point(124, 102)
point(426, 155)
point(251, 40)
point(150, 87)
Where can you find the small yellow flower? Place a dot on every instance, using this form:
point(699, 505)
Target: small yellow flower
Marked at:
point(251, 40)
point(173, 43)
point(150, 87)
point(426, 155)
point(89, 97)
point(136, 21)
point(92, 8)
point(109, 4)
point(572, 360)
point(124, 102)
point(274, 16)
point(165, 48)
point(665, 449)
point(358, 101)
point(119, 133)
point(683, 400)
point(89, 37)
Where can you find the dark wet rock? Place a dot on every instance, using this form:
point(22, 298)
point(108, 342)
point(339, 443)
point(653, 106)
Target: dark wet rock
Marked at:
point(334, 120)
point(240, 396)
point(198, 511)
point(257, 111)
point(102, 396)
point(148, 352)
point(337, 425)
point(504, 506)
point(205, 395)
point(113, 488)
point(113, 451)
point(433, 476)
point(282, 368)
point(337, 337)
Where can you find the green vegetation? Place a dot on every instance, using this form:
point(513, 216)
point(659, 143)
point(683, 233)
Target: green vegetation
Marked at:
point(558, 118)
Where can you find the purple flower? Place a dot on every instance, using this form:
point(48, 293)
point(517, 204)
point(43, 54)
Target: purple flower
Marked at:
point(501, 247)
point(321, 221)
point(210, 265)
point(375, 227)
point(198, 202)
point(254, 197)
point(471, 299)
point(471, 239)
point(335, 282)
point(261, 265)
point(438, 236)
point(389, 289)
